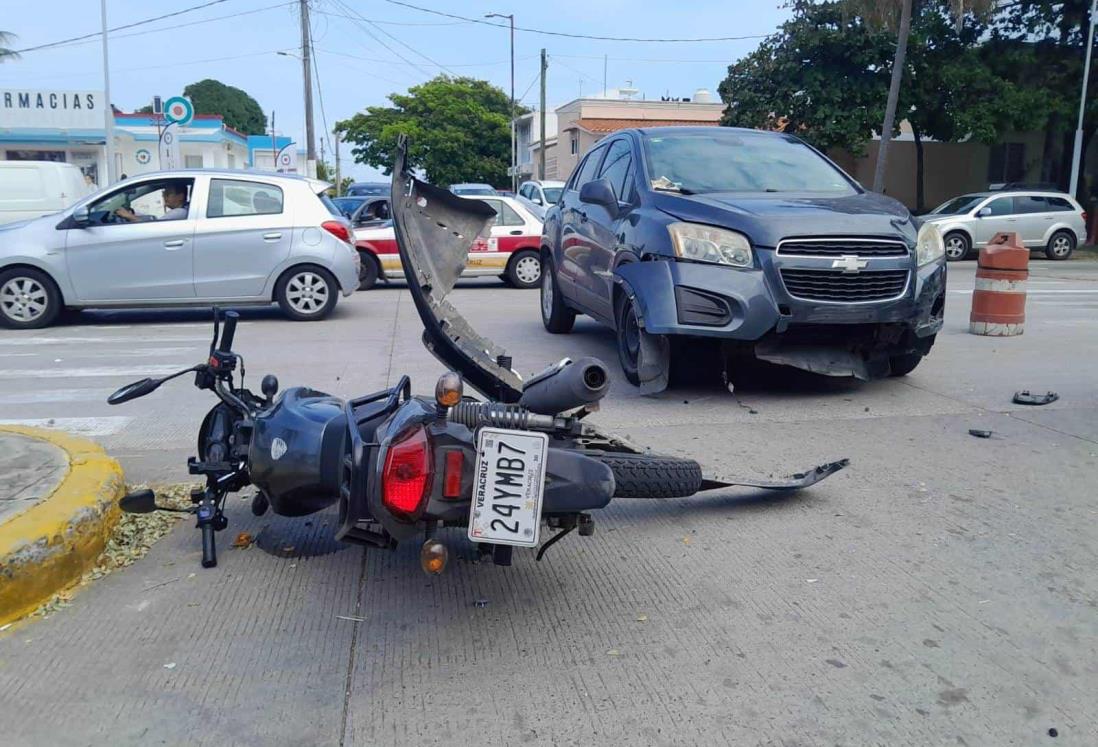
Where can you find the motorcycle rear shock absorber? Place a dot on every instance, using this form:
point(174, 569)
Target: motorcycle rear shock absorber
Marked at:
point(475, 415)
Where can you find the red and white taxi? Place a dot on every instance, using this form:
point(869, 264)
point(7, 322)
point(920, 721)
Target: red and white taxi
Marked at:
point(511, 252)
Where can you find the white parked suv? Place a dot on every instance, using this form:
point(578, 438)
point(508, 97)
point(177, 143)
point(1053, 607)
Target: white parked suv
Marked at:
point(539, 196)
point(182, 238)
point(1049, 221)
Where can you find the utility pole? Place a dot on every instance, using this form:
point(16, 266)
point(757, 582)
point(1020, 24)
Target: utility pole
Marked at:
point(541, 147)
point(339, 179)
point(274, 144)
point(306, 69)
point(1077, 154)
point(514, 163)
point(604, 94)
point(108, 111)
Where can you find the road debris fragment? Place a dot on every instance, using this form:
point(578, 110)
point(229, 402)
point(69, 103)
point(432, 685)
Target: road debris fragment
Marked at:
point(979, 433)
point(1025, 397)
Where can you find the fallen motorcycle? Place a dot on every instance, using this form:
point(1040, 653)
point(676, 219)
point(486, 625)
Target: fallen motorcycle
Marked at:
point(400, 466)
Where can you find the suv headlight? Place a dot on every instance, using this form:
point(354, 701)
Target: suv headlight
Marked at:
point(929, 244)
point(703, 243)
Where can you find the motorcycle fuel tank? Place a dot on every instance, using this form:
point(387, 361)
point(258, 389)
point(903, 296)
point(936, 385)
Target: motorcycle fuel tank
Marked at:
point(296, 451)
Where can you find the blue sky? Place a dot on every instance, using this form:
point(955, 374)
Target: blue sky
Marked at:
point(355, 68)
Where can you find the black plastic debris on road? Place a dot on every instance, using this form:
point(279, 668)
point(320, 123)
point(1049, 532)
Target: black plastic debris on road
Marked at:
point(979, 433)
point(1025, 397)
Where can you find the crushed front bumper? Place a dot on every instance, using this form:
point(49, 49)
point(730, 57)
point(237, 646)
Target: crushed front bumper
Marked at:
point(704, 300)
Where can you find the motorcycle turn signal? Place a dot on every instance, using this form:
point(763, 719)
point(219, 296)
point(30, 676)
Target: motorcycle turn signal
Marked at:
point(433, 557)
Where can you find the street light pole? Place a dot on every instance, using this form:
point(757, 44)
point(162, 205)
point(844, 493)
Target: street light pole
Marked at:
point(514, 163)
point(1077, 155)
point(112, 171)
point(306, 66)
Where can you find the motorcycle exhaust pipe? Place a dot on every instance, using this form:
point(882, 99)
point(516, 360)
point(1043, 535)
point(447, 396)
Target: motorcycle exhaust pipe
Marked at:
point(566, 386)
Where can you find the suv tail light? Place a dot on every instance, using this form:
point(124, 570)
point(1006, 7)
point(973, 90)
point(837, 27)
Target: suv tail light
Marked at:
point(1085, 216)
point(406, 476)
point(337, 229)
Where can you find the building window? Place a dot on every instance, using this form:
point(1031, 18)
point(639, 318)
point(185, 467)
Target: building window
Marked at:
point(36, 155)
point(1006, 163)
point(192, 162)
point(575, 144)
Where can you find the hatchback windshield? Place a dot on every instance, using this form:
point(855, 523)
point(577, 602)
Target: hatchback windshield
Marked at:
point(734, 161)
point(958, 205)
point(552, 194)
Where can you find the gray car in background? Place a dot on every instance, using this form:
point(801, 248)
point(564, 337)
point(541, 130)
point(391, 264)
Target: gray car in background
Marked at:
point(1050, 221)
point(238, 238)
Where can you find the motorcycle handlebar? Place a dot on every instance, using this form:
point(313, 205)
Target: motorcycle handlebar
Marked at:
point(209, 551)
point(231, 318)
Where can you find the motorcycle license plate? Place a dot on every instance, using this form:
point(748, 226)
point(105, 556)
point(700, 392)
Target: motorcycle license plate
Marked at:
point(510, 480)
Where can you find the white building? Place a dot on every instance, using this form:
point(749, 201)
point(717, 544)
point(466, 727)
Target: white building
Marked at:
point(68, 126)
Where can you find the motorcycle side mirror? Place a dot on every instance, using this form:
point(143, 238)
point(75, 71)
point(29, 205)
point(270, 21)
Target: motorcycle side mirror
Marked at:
point(141, 502)
point(134, 390)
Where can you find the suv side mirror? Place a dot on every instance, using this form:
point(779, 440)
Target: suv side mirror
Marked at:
point(599, 192)
point(81, 218)
point(983, 212)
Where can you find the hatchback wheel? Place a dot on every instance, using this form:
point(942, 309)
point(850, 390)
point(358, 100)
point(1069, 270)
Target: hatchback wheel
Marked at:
point(28, 299)
point(307, 294)
point(524, 269)
point(957, 246)
point(1061, 245)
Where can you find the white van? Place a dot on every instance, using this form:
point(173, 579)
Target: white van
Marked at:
point(30, 189)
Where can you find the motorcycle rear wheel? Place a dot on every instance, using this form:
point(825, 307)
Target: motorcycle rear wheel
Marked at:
point(652, 476)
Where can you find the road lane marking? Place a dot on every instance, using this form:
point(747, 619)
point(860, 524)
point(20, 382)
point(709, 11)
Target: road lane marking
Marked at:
point(128, 372)
point(105, 426)
point(15, 341)
point(43, 396)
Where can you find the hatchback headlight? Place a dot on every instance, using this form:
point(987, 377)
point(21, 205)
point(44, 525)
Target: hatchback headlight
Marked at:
point(708, 244)
point(929, 244)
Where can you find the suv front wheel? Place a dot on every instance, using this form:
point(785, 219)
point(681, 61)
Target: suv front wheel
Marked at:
point(555, 316)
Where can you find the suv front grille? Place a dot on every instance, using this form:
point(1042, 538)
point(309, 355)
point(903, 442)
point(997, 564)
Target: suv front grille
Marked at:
point(837, 286)
point(842, 247)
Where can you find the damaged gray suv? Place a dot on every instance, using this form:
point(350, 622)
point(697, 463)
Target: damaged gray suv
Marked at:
point(752, 242)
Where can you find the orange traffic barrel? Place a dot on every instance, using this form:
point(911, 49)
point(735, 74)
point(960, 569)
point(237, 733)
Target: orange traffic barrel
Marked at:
point(999, 299)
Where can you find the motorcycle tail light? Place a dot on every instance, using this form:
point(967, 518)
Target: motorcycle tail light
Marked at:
point(337, 229)
point(451, 476)
point(406, 476)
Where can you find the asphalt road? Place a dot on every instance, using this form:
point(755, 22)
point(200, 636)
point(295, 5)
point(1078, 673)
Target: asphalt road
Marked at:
point(941, 590)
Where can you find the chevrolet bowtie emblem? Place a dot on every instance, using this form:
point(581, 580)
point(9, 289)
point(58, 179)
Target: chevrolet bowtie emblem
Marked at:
point(849, 263)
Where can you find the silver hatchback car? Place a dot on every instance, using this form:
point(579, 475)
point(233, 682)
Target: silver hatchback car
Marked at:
point(1049, 221)
point(182, 238)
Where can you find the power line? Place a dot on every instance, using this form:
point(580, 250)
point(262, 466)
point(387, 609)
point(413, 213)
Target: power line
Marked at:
point(122, 28)
point(176, 26)
point(319, 90)
point(393, 62)
point(398, 41)
point(573, 36)
point(379, 41)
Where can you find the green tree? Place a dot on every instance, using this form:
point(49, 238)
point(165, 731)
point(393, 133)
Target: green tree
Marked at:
point(459, 131)
point(820, 77)
point(239, 110)
point(325, 173)
point(6, 53)
point(1041, 46)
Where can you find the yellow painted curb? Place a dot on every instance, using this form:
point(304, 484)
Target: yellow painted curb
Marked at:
point(50, 545)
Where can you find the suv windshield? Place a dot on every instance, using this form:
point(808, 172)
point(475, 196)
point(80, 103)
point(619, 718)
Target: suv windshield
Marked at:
point(958, 205)
point(735, 161)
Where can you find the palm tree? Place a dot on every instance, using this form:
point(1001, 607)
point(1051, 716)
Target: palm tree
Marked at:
point(5, 53)
point(897, 14)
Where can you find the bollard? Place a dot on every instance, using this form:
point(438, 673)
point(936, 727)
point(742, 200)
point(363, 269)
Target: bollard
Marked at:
point(999, 299)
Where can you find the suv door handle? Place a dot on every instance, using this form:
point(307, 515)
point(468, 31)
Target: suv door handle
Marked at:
point(175, 243)
point(272, 236)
